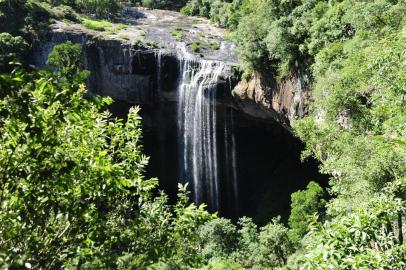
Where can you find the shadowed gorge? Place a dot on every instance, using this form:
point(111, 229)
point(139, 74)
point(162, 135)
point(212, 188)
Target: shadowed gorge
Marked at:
point(234, 153)
point(267, 160)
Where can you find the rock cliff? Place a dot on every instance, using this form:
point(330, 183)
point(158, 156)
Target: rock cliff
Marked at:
point(141, 63)
point(284, 101)
point(131, 63)
point(138, 63)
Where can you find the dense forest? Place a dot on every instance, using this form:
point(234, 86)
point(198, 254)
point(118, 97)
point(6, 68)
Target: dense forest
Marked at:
point(73, 191)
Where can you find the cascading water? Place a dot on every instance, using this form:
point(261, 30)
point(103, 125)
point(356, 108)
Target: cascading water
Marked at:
point(201, 151)
point(158, 57)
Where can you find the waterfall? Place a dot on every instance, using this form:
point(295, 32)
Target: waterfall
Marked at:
point(199, 146)
point(158, 57)
point(230, 160)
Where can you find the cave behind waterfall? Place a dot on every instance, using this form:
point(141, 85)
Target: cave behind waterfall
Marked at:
point(268, 161)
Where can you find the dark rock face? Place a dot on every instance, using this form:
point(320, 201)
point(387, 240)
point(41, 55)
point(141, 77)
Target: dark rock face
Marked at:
point(125, 72)
point(268, 161)
point(128, 73)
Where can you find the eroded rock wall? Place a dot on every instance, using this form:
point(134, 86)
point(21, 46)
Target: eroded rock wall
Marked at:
point(147, 73)
point(120, 70)
point(261, 96)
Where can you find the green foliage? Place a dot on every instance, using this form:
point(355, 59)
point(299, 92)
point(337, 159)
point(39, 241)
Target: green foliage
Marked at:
point(248, 242)
point(250, 37)
point(356, 128)
point(72, 189)
point(359, 134)
point(365, 239)
point(185, 10)
point(245, 246)
point(152, 44)
point(106, 9)
point(261, 31)
point(98, 25)
point(221, 12)
point(305, 204)
point(357, 131)
point(61, 10)
point(11, 49)
point(73, 193)
point(215, 46)
point(196, 47)
point(219, 238)
point(28, 19)
point(163, 4)
point(271, 35)
point(177, 34)
point(222, 264)
point(67, 59)
point(274, 245)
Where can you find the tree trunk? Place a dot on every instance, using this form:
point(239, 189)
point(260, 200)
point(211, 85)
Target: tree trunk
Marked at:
point(400, 227)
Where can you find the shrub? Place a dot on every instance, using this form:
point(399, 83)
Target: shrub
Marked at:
point(163, 4)
point(305, 204)
point(219, 238)
point(11, 49)
point(66, 58)
point(196, 46)
point(105, 9)
point(364, 239)
point(28, 19)
point(60, 11)
point(186, 10)
point(221, 12)
point(274, 244)
point(226, 245)
point(222, 264)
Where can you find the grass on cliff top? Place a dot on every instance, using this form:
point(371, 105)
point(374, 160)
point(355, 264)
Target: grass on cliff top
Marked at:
point(196, 47)
point(215, 46)
point(94, 24)
point(177, 34)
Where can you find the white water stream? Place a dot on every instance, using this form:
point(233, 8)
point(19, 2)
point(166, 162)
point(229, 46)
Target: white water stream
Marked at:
point(202, 153)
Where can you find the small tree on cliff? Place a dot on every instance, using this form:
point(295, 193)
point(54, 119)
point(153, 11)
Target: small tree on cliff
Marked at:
point(101, 8)
point(305, 203)
point(12, 48)
point(66, 58)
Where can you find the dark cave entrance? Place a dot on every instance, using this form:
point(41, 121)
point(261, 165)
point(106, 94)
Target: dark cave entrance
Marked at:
point(268, 161)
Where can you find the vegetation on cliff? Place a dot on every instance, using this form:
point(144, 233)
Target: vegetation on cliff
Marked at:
point(355, 51)
point(161, 4)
